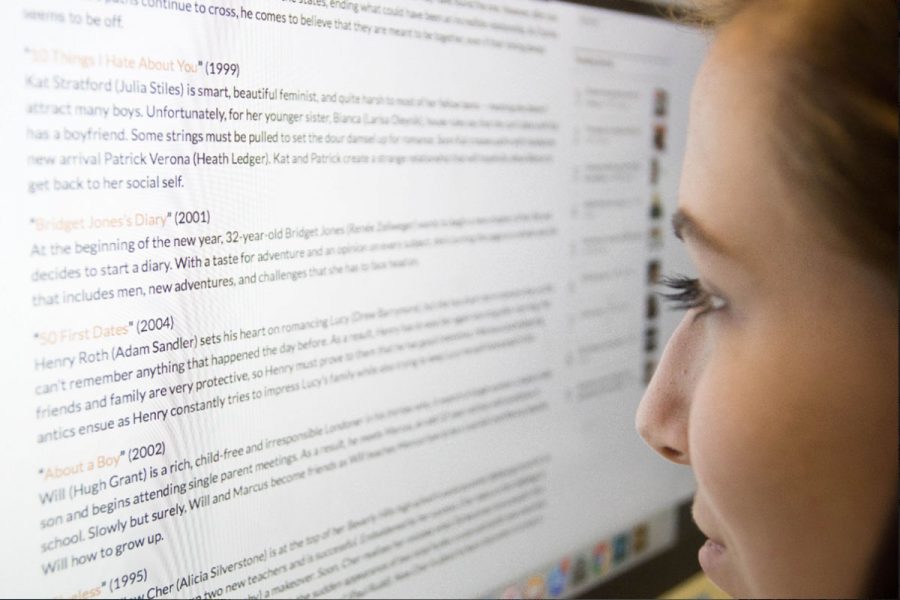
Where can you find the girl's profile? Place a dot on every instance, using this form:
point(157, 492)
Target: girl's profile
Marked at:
point(779, 388)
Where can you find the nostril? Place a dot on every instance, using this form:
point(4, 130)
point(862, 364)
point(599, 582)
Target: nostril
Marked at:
point(671, 453)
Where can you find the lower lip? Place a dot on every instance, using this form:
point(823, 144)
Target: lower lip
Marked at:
point(711, 555)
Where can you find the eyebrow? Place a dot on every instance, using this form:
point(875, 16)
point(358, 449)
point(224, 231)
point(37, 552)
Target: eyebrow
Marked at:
point(684, 225)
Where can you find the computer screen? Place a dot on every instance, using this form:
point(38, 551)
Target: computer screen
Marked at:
point(333, 298)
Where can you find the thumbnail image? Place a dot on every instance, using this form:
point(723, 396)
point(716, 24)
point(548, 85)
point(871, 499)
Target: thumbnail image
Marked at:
point(660, 102)
point(659, 137)
point(654, 272)
point(649, 370)
point(650, 339)
point(652, 306)
point(656, 207)
point(654, 170)
point(655, 237)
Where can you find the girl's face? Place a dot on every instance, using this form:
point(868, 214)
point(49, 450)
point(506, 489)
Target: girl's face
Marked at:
point(779, 388)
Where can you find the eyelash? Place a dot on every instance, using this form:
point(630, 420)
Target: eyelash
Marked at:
point(688, 294)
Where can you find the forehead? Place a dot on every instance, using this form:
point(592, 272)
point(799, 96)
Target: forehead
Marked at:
point(731, 181)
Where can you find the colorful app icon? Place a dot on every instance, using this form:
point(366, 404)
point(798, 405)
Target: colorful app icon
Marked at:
point(601, 558)
point(620, 548)
point(639, 538)
point(556, 581)
point(511, 593)
point(535, 587)
point(579, 573)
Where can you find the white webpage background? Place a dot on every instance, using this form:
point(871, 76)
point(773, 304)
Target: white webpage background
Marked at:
point(597, 474)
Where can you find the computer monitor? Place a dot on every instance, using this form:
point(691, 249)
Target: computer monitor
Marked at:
point(333, 298)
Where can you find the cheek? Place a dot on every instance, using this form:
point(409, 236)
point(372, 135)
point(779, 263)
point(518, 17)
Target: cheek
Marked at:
point(741, 437)
point(782, 448)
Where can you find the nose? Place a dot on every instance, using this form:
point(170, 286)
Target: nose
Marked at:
point(663, 415)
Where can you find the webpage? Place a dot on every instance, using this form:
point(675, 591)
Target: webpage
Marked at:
point(329, 298)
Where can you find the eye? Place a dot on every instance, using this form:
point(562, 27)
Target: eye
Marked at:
point(688, 293)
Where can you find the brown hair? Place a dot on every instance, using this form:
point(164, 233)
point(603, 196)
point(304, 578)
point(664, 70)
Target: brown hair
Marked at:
point(836, 111)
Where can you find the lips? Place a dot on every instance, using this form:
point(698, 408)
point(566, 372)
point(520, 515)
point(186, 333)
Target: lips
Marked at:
point(711, 554)
point(712, 540)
